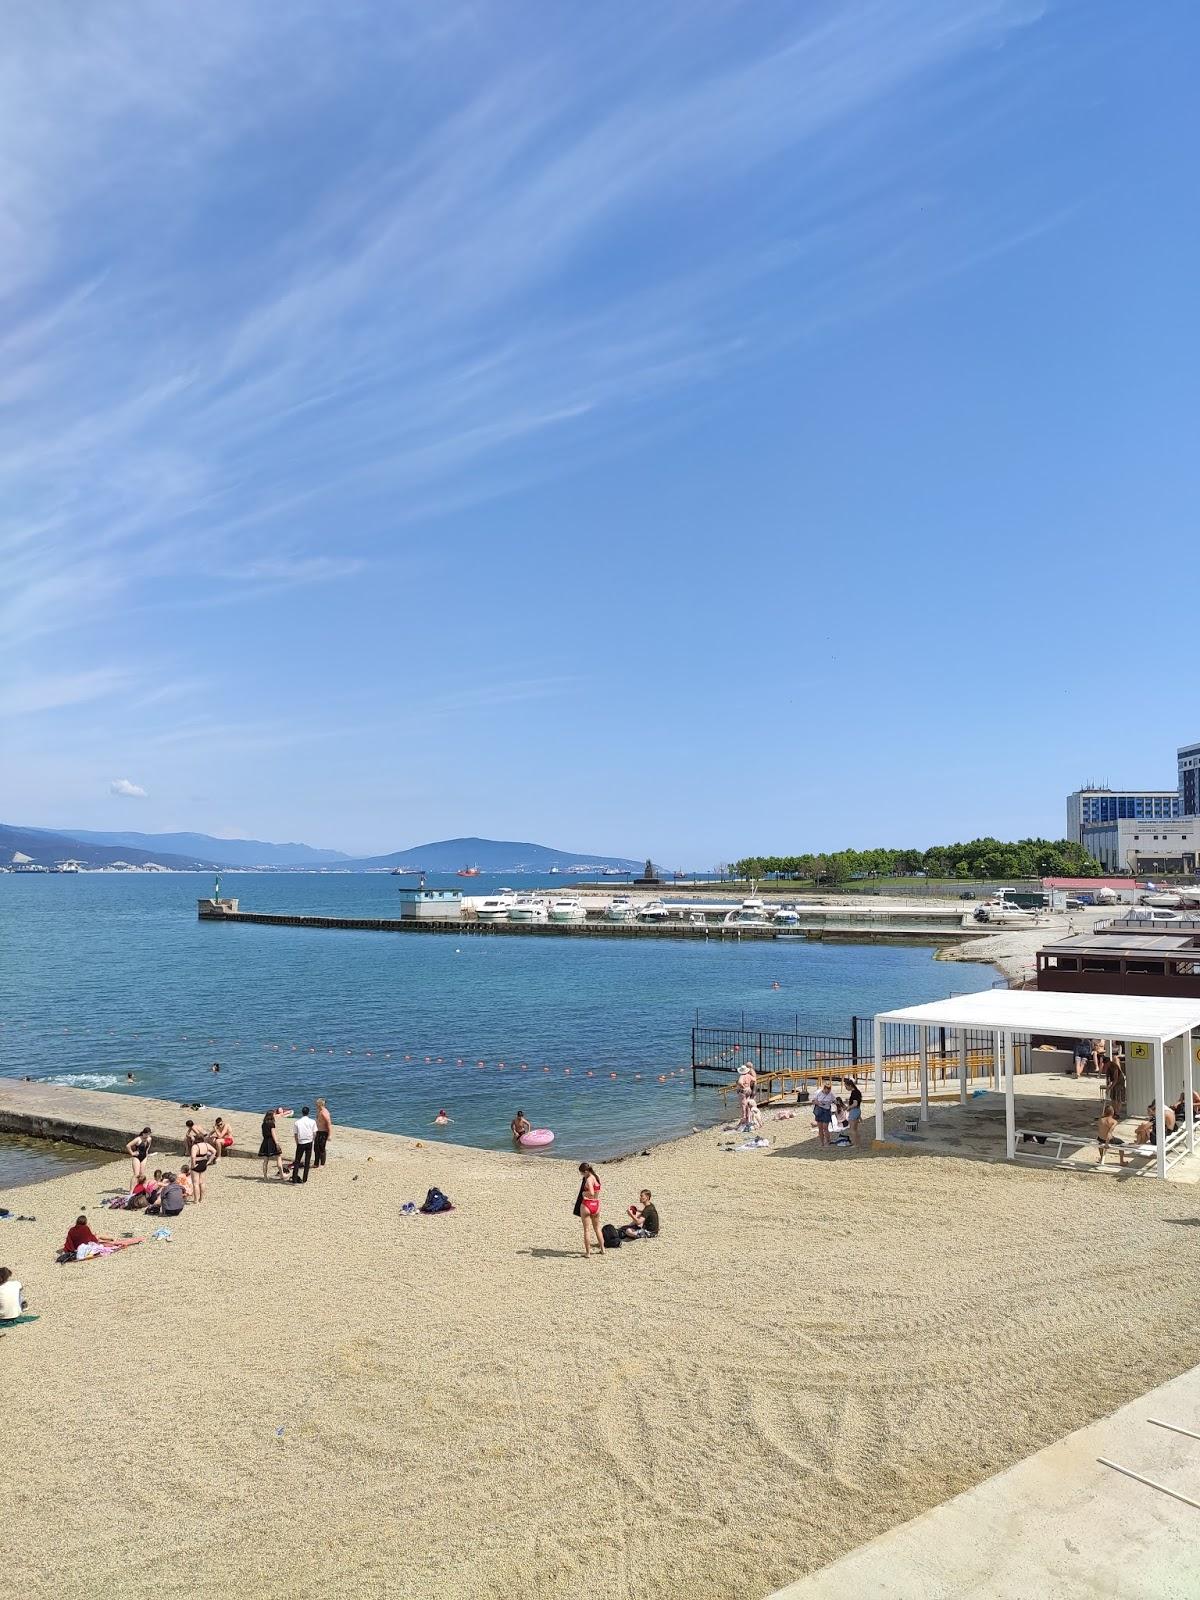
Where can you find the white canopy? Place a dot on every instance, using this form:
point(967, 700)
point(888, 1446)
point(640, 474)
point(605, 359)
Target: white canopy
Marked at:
point(1146, 1024)
point(1072, 1016)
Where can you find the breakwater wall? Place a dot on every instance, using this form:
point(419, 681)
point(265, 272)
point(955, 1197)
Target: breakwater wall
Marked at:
point(845, 931)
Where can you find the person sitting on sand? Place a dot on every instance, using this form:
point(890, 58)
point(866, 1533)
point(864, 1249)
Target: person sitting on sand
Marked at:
point(143, 1192)
point(442, 1120)
point(520, 1126)
point(81, 1242)
point(169, 1201)
point(11, 1303)
point(221, 1138)
point(644, 1219)
point(1105, 1133)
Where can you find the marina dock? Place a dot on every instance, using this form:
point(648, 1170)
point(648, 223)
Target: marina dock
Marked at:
point(852, 928)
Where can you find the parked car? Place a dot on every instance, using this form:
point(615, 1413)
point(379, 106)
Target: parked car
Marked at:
point(967, 894)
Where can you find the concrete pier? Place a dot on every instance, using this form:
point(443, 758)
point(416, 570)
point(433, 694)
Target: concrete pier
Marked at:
point(873, 932)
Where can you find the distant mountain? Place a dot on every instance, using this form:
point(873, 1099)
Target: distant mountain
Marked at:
point(47, 848)
point(491, 855)
point(228, 852)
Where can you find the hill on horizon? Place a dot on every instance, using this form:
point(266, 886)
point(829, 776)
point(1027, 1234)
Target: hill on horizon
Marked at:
point(228, 852)
point(44, 847)
point(491, 855)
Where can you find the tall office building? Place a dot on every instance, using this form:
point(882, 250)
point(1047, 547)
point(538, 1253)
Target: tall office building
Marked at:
point(1189, 779)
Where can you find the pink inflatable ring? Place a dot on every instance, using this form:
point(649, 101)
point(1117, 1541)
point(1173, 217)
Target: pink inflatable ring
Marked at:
point(536, 1137)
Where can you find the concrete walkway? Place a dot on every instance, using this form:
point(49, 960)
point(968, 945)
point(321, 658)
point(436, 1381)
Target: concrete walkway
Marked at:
point(1058, 1524)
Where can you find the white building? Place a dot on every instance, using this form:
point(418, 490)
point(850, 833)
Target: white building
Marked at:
point(1169, 845)
point(1092, 805)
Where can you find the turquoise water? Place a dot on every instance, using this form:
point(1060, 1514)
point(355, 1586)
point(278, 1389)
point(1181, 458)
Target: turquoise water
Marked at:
point(109, 974)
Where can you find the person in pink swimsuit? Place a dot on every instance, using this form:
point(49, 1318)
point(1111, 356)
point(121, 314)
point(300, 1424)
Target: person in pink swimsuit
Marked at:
point(587, 1207)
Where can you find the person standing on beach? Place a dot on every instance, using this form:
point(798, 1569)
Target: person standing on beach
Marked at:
point(823, 1111)
point(137, 1150)
point(854, 1107)
point(587, 1207)
point(324, 1129)
point(305, 1130)
point(202, 1154)
point(269, 1148)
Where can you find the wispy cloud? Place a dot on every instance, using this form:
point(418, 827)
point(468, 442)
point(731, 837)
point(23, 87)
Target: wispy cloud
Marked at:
point(408, 257)
point(126, 789)
point(27, 695)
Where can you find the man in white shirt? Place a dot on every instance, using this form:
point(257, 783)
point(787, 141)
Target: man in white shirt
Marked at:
point(306, 1132)
point(11, 1304)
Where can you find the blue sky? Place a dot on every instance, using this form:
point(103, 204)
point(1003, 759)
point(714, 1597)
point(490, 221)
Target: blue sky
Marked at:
point(680, 428)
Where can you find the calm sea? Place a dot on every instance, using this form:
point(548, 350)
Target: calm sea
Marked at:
point(109, 974)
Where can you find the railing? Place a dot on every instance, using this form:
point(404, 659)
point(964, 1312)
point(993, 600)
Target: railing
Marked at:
point(794, 1058)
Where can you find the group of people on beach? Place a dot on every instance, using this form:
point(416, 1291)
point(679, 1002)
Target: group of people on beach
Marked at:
point(164, 1192)
point(643, 1215)
point(836, 1118)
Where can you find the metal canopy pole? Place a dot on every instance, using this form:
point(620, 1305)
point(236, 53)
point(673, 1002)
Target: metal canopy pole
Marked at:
point(1189, 1114)
point(878, 1037)
point(962, 1066)
point(1160, 1110)
point(1010, 1104)
point(924, 1068)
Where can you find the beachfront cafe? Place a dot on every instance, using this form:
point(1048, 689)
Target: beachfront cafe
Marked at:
point(1159, 1039)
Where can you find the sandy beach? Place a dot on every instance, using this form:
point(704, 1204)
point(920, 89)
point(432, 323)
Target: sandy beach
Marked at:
point(305, 1388)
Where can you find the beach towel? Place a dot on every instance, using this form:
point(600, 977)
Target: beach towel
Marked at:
point(26, 1316)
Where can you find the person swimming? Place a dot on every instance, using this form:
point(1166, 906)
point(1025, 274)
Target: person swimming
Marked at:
point(442, 1119)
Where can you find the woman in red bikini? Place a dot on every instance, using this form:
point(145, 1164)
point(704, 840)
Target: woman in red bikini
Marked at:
point(588, 1207)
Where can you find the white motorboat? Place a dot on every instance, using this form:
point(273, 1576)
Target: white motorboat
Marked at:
point(1000, 909)
point(785, 917)
point(655, 911)
point(754, 906)
point(620, 909)
point(495, 907)
point(528, 908)
point(568, 911)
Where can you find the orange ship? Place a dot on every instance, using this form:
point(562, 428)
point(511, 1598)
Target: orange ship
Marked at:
point(468, 872)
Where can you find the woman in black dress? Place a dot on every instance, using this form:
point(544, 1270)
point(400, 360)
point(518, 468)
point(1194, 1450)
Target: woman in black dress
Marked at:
point(269, 1148)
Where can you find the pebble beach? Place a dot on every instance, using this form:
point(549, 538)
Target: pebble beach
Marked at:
point(305, 1388)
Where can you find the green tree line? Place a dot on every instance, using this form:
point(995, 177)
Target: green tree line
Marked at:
point(977, 858)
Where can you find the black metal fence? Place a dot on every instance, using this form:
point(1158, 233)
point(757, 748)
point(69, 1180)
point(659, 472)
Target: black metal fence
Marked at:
point(719, 1053)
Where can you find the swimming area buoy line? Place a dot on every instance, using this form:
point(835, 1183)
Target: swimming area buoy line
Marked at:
point(144, 1042)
